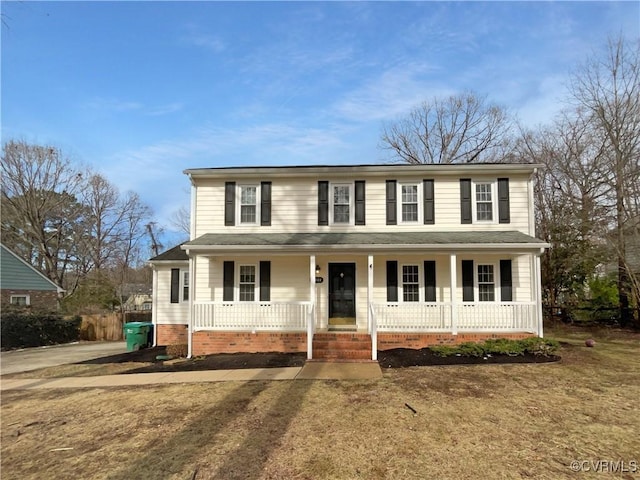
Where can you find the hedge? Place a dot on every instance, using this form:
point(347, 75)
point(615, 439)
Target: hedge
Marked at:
point(20, 330)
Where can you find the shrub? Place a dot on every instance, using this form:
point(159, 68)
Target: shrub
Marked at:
point(21, 330)
point(499, 346)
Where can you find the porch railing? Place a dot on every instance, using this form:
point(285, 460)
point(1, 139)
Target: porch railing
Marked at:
point(277, 316)
point(436, 317)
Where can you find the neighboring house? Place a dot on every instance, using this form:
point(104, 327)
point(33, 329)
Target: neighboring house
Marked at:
point(136, 297)
point(23, 285)
point(342, 261)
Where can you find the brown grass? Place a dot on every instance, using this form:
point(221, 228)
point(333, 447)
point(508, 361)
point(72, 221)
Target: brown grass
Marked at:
point(494, 421)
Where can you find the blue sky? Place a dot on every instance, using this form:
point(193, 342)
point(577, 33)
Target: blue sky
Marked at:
point(142, 90)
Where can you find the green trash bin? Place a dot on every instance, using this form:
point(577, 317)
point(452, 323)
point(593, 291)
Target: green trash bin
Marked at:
point(137, 335)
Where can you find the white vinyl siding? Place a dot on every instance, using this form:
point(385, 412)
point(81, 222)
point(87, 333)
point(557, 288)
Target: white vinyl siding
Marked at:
point(295, 206)
point(167, 313)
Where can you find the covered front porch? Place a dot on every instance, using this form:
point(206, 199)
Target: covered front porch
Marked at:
point(412, 291)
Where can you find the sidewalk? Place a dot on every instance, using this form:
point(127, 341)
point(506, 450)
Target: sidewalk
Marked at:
point(310, 371)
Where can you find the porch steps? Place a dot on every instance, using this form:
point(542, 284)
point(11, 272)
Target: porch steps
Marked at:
point(342, 346)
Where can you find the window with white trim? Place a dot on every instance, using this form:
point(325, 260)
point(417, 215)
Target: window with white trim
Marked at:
point(185, 285)
point(410, 283)
point(247, 283)
point(341, 200)
point(248, 204)
point(20, 300)
point(486, 283)
point(484, 202)
point(409, 202)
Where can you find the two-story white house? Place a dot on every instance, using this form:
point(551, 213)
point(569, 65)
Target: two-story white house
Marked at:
point(343, 261)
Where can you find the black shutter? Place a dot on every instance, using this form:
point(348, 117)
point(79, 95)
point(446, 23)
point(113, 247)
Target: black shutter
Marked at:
point(467, 280)
point(265, 281)
point(465, 201)
point(360, 202)
point(230, 203)
point(506, 290)
point(391, 203)
point(175, 285)
point(265, 204)
point(227, 281)
point(323, 203)
point(392, 281)
point(429, 281)
point(503, 201)
point(428, 200)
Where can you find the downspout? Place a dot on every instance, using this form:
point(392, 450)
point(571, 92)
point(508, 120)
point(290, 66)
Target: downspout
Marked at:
point(154, 305)
point(192, 293)
point(192, 269)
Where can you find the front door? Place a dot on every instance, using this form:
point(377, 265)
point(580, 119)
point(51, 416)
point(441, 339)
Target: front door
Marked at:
point(342, 294)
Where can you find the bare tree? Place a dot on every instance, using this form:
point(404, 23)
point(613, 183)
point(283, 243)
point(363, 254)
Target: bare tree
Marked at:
point(462, 128)
point(607, 88)
point(181, 220)
point(39, 196)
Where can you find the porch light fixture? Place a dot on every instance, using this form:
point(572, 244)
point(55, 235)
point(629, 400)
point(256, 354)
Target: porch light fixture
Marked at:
point(317, 269)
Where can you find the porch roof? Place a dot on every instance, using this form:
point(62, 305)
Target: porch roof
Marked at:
point(370, 241)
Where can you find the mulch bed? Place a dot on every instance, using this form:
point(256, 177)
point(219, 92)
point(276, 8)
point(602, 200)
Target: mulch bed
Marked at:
point(396, 358)
point(405, 357)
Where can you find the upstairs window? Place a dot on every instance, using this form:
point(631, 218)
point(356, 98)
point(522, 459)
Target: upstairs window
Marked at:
point(409, 199)
point(248, 203)
point(342, 203)
point(484, 202)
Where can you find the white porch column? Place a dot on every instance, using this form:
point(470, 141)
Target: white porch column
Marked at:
point(192, 294)
point(370, 318)
point(452, 293)
point(312, 299)
point(538, 292)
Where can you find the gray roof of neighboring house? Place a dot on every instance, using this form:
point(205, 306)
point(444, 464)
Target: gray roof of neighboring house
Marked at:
point(17, 274)
point(175, 254)
point(372, 240)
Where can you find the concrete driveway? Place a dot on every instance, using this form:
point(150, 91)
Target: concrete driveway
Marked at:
point(33, 358)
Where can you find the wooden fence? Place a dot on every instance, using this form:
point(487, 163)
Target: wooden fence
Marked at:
point(102, 326)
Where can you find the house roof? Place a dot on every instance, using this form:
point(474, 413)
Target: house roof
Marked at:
point(368, 169)
point(175, 254)
point(17, 274)
point(458, 240)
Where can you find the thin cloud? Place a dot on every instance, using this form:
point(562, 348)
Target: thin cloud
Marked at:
point(165, 109)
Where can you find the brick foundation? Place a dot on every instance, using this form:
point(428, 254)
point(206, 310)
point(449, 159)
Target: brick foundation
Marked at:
point(206, 342)
point(387, 341)
point(172, 334)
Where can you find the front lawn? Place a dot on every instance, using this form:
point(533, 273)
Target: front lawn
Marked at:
point(482, 421)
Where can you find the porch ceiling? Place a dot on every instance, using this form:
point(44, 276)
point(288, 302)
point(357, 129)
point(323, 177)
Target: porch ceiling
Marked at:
point(371, 241)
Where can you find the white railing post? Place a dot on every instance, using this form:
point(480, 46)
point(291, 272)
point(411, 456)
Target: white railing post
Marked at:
point(452, 294)
point(312, 299)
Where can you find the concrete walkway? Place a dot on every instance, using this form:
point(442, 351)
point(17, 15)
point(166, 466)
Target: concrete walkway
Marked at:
point(310, 371)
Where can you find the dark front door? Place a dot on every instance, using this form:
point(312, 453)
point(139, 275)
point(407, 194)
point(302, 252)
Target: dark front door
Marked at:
point(342, 294)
